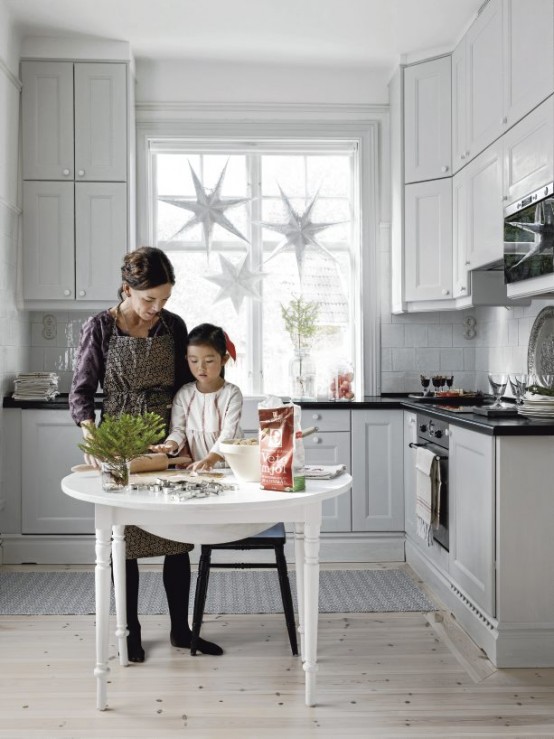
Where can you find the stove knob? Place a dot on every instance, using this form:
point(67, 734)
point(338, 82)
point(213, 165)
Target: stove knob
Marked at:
point(438, 434)
point(423, 428)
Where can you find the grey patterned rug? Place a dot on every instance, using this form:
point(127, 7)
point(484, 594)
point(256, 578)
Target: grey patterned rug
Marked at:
point(229, 591)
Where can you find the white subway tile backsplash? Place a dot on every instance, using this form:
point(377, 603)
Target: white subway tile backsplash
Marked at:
point(451, 360)
point(427, 360)
point(403, 359)
point(416, 334)
point(392, 335)
point(440, 335)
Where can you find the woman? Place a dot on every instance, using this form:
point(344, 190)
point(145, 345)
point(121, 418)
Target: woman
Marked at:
point(136, 351)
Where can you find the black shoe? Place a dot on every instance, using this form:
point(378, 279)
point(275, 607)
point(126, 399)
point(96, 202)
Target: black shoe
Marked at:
point(135, 652)
point(183, 641)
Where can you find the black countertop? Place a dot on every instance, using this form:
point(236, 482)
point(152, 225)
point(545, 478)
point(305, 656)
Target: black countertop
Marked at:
point(515, 426)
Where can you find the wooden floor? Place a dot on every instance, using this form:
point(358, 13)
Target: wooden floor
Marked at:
point(380, 675)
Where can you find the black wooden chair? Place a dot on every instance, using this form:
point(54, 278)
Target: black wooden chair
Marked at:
point(272, 538)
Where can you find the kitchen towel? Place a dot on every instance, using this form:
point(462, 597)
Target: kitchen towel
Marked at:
point(427, 493)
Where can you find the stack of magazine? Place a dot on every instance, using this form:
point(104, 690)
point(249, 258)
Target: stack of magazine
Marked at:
point(323, 472)
point(35, 386)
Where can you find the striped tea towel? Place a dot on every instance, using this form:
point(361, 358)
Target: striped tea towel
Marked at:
point(427, 493)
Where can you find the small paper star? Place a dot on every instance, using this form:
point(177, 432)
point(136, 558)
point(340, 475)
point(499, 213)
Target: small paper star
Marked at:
point(208, 208)
point(299, 233)
point(237, 282)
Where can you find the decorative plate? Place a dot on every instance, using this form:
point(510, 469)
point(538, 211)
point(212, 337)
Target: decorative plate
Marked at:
point(540, 354)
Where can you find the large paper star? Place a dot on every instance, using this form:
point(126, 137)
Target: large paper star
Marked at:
point(299, 233)
point(237, 282)
point(208, 208)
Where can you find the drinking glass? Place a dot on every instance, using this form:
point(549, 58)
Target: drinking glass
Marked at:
point(519, 383)
point(498, 384)
point(425, 382)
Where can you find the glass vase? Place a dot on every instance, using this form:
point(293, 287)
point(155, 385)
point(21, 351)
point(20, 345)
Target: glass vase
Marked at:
point(302, 376)
point(115, 476)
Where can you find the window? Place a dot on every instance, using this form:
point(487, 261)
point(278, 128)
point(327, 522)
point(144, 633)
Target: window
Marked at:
point(260, 171)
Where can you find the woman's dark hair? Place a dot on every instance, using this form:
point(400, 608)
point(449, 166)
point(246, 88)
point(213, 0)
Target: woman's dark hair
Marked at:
point(206, 334)
point(145, 268)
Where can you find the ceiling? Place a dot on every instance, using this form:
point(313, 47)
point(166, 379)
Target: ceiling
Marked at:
point(356, 33)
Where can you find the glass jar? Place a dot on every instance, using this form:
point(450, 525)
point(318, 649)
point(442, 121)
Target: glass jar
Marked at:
point(302, 376)
point(115, 476)
point(341, 382)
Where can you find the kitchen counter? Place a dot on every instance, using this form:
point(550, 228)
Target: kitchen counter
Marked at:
point(515, 426)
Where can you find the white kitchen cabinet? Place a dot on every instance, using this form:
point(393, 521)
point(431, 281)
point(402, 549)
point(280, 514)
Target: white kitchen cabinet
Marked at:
point(49, 439)
point(427, 120)
point(529, 153)
point(484, 79)
point(330, 445)
point(528, 56)
point(74, 119)
point(428, 240)
point(377, 470)
point(484, 233)
point(472, 516)
point(75, 236)
point(410, 437)
point(460, 273)
point(460, 151)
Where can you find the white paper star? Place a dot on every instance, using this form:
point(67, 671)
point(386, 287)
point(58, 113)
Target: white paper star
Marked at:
point(299, 233)
point(237, 282)
point(208, 208)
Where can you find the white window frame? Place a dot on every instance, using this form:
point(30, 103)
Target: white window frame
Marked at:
point(273, 122)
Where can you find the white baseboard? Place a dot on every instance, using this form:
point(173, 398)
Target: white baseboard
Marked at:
point(77, 550)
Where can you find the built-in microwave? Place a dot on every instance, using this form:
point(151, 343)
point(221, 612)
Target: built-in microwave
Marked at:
point(529, 236)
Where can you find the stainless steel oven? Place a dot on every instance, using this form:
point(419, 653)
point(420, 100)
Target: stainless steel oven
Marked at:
point(433, 434)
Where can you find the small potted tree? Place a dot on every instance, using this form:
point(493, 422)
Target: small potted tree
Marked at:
point(118, 440)
point(300, 317)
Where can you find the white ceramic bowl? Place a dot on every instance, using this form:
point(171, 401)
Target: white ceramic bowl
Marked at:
point(243, 459)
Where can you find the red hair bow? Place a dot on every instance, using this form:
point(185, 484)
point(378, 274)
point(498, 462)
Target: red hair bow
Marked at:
point(230, 347)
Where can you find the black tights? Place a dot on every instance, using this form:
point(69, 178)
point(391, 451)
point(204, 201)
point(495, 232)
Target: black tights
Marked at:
point(176, 580)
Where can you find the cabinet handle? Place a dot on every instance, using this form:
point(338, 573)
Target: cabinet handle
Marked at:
point(444, 169)
point(81, 173)
point(446, 292)
point(462, 288)
point(82, 293)
point(467, 153)
point(468, 264)
point(65, 173)
point(67, 292)
point(504, 197)
point(316, 416)
point(505, 120)
point(462, 156)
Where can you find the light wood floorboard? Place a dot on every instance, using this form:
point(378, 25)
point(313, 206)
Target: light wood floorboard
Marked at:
point(380, 675)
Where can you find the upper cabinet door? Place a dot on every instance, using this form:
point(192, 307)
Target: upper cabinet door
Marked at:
point(428, 240)
point(529, 56)
point(100, 122)
point(427, 121)
point(460, 152)
point(47, 120)
point(485, 63)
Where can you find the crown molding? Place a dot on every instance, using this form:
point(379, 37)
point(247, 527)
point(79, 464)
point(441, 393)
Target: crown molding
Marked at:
point(16, 82)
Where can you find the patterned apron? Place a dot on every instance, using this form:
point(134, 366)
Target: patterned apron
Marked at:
point(139, 378)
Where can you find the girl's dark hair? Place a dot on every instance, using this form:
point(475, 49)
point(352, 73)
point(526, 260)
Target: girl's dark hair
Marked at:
point(206, 334)
point(145, 268)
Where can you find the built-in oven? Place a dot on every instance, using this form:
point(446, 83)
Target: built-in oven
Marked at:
point(433, 434)
point(529, 236)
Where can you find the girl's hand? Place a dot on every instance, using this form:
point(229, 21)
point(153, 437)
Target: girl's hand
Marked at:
point(206, 464)
point(168, 447)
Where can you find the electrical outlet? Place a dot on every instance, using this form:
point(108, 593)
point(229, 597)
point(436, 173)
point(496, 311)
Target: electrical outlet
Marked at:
point(49, 326)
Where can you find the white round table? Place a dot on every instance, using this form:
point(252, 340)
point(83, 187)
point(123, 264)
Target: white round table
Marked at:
point(229, 516)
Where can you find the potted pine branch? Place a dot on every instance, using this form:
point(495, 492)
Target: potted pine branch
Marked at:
point(118, 440)
point(300, 318)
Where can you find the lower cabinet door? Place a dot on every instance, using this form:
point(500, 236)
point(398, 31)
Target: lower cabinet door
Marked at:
point(471, 475)
point(49, 450)
point(332, 447)
point(377, 470)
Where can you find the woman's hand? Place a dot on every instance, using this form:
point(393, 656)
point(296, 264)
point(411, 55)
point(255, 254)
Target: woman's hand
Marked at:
point(168, 447)
point(206, 464)
point(89, 459)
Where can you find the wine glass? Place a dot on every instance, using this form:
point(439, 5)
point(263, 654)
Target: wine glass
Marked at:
point(519, 383)
point(436, 380)
point(498, 384)
point(425, 382)
point(449, 381)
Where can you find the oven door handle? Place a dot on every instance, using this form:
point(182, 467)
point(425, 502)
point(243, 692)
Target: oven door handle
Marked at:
point(415, 446)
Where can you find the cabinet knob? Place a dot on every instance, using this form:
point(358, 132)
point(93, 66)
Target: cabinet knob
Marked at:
point(82, 293)
point(505, 120)
point(316, 440)
point(467, 153)
point(316, 416)
point(446, 292)
point(504, 197)
point(444, 168)
point(67, 292)
point(65, 173)
point(468, 264)
point(81, 173)
point(462, 156)
point(463, 288)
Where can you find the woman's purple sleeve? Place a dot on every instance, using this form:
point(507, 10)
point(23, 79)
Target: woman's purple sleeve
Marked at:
point(89, 371)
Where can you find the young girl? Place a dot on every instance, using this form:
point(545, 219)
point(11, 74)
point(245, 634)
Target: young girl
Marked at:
point(208, 410)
